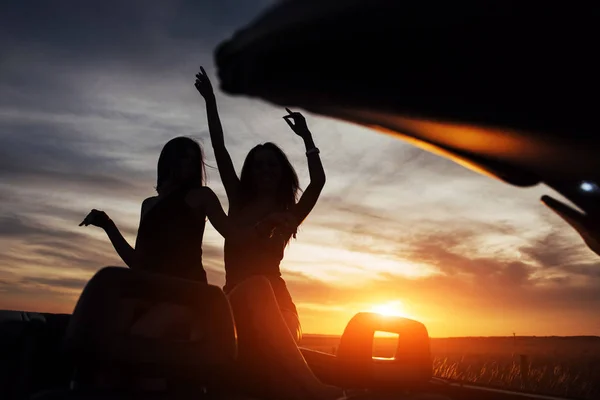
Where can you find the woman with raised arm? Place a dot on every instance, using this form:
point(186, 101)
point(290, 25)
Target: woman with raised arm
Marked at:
point(266, 317)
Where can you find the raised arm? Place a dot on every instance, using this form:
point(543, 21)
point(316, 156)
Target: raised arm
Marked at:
point(124, 250)
point(310, 196)
point(206, 202)
point(226, 169)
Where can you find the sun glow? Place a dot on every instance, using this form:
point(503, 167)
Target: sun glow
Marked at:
point(392, 308)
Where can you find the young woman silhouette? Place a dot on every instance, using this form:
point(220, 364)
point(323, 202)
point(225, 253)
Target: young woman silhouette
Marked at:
point(266, 317)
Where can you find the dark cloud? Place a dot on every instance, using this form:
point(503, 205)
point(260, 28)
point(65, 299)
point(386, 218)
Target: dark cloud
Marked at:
point(57, 282)
point(77, 26)
point(64, 256)
point(57, 55)
point(590, 271)
point(67, 249)
point(47, 155)
point(11, 225)
point(138, 32)
point(445, 250)
point(41, 85)
point(16, 226)
point(35, 258)
point(364, 228)
point(64, 263)
point(554, 249)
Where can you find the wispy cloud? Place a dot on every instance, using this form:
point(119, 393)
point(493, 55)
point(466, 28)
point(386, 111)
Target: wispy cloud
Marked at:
point(91, 92)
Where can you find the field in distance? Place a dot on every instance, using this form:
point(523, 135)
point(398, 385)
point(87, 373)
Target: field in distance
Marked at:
point(567, 366)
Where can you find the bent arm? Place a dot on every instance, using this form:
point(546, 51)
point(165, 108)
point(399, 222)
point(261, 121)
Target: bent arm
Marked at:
point(124, 250)
point(225, 165)
point(205, 201)
point(317, 181)
point(214, 212)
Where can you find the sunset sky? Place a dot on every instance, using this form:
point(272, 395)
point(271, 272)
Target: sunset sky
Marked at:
point(90, 92)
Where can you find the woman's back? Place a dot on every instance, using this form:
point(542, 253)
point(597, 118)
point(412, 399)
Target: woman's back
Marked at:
point(255, 255)
point(170, 237)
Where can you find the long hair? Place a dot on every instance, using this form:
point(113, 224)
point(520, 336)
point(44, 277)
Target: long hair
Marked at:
point(169, 162)
point(289, 187)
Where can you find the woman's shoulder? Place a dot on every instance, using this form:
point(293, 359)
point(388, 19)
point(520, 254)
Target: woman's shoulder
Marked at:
point(150, 201)
point(147, 205)
point(199, 196)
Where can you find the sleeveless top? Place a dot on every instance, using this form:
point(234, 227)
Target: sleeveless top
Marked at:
point(257, 256)
point(169, 239)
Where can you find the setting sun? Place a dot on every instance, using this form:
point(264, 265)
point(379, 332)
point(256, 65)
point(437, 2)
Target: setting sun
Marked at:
point(392, 308)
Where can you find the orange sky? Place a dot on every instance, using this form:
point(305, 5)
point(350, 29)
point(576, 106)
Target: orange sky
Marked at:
point(462, 253)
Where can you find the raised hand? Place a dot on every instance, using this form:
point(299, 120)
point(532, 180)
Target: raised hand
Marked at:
point(96, 218)
point(299, 123)
point(203, 84)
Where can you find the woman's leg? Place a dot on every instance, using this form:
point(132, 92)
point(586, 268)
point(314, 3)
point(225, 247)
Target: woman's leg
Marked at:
point(266, 342)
